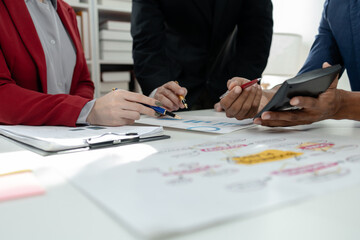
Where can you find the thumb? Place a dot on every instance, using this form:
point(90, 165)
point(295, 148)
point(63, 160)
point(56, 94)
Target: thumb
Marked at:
point(326, 65)
point(336, 81)
point(218, 107)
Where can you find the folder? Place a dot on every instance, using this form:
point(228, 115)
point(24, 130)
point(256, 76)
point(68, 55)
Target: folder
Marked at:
point(56, 139)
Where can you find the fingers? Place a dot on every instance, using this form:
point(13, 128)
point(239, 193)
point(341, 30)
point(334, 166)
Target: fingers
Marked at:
point(326, 65)
point(174, 87)
point(335, 82)
point(304, 102)
point(283, 119)
point(132, 102)
point(230, 98)
point(168, 94)
point(287, 116)
point(325, 106)
point(134, 109)
point(120, 108)
point(247, 105)
point(242, 104)
point(136, 97)
point(251, 105)
point(236, 81)
point(259, 121)
point(218, 107)
point(169, 100)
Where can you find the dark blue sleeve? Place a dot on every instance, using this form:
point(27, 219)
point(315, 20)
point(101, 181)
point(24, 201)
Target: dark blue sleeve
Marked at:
point(324, 49)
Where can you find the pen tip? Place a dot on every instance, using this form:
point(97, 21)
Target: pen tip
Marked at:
point(177, 117)
point(186, 106)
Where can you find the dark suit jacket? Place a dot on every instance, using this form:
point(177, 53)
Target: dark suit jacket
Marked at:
point(199, 46)
point(23, 83)
point(338, 40)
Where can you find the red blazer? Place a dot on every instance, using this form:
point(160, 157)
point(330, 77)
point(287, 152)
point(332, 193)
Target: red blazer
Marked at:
point(23, 84)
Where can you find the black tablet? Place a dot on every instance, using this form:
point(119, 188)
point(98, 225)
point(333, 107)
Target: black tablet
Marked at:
point(309, 84)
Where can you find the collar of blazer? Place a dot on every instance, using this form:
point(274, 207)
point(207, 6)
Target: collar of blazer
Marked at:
point(27, 31)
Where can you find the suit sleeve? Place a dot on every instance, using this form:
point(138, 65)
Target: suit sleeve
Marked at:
point(254, 35)
point(151, 65)
point(28, 107)
point(19, 105)
point(324, 48)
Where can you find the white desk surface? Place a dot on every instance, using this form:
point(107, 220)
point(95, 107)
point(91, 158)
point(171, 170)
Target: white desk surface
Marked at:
point(64, 213)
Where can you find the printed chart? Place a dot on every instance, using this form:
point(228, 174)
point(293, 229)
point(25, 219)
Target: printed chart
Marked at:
point(195, 184)
point(201, 124)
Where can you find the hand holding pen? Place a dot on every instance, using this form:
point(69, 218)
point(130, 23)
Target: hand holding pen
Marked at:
point(242, 99)
point(182, 98)
point(242, 86)
point(121, 107)
point(159, 111)
point(170, 95)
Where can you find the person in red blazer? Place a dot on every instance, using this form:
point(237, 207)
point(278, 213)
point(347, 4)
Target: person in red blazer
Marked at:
point(23, 78)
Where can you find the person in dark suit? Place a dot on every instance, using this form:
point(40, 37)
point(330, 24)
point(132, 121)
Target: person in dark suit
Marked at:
point(338, 42)
point(200, 44)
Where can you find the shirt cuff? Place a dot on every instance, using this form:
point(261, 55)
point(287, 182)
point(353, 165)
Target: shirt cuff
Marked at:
point(152, 94)
point(85, 112)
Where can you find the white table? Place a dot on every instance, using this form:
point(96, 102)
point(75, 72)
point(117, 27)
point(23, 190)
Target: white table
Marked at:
point(65, 213)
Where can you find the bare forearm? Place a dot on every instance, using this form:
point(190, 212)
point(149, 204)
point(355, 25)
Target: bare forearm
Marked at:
point(350, 107)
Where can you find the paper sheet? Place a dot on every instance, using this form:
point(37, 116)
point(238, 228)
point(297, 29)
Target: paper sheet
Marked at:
point(197, 123)
point(195, 184)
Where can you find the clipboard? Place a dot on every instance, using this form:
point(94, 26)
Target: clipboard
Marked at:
point(55, 139)
point(109, 139)
point(113, 139)
point(309, 84)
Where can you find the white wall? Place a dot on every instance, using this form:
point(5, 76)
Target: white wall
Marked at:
point(301, 17)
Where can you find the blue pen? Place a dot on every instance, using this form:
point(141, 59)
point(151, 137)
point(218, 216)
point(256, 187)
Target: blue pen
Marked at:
point(160, 110)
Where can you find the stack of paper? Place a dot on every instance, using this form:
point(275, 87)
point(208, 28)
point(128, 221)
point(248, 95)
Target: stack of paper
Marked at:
point(122, 5)
point(115, 45)
point(116, 41)
point(114, 79)
point(72, 1)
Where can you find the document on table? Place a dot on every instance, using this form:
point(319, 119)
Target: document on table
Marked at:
point(52, 138)
point(198, 123)
point(197, 183)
